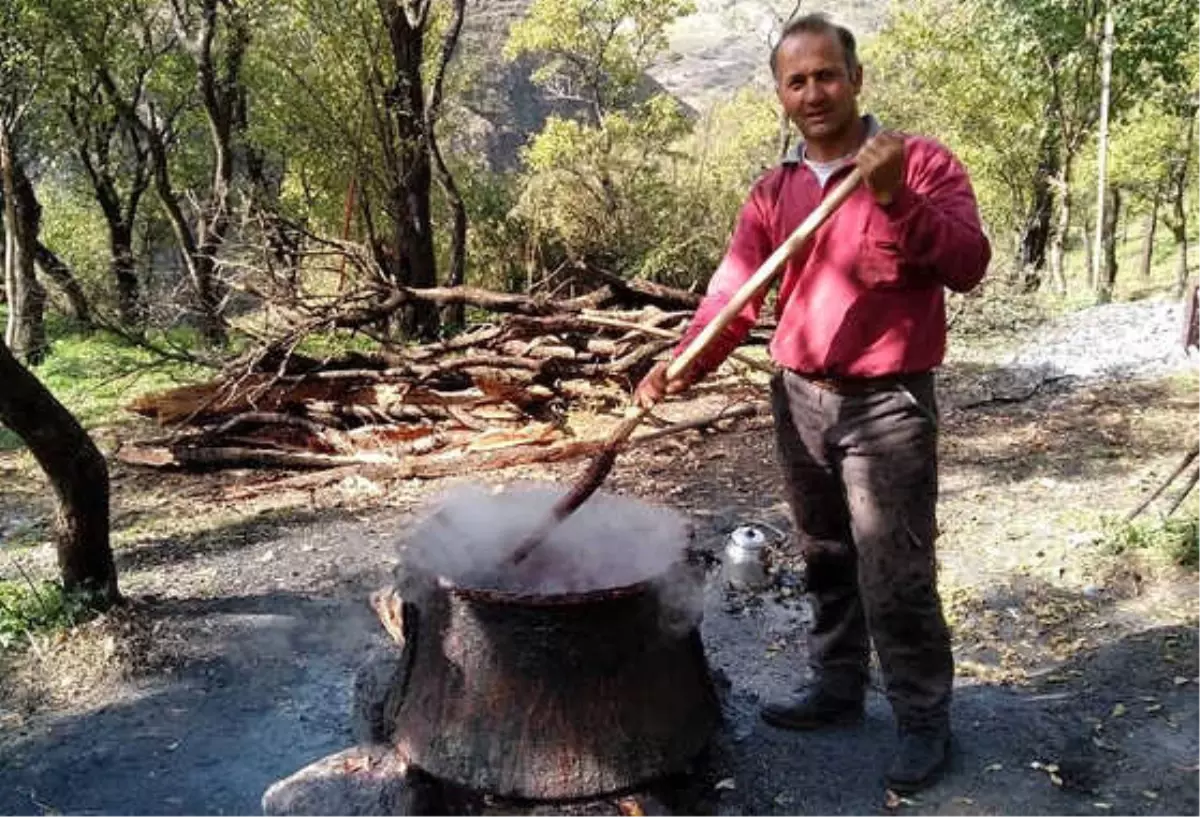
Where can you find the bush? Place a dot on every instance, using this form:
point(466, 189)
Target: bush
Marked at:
point(27, 609)
point(648, 194)
point(1176, 538)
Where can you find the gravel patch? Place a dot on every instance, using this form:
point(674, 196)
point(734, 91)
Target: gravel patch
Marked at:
point(1110, 341)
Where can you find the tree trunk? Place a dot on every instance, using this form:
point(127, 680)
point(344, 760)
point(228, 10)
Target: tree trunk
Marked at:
point(581, 694)
point(77, 471)
point(1108, 275)
point(1036, 233)
point(25, 334)
point(1179, 203)
point(1103, 234)
point(409, 165)
point(1058, 275)
point(129, 299)
point(785, 135)
point(1148, 237)
point(453, 316)
point(119, 202)
point(57, 271)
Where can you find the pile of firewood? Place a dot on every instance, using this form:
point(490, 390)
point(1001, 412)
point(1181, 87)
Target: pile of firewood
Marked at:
point(494, 396)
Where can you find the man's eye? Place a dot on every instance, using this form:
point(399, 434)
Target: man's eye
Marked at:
point(797, 82)
point(826, 76)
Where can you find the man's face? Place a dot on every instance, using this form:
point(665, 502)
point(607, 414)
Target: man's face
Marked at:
point(815, 86)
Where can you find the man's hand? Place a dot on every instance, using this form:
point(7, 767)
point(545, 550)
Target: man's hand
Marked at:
point(881, 161)
point(654, 386)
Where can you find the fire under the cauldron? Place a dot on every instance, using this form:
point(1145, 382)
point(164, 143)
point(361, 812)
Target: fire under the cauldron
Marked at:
point(579, 673)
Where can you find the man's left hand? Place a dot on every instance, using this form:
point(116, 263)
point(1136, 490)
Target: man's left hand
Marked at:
point(881, 161)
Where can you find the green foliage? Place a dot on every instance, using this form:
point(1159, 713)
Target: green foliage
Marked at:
point(74, 228)
point(94, 375)
point(995, 79)
point(647, 194)
point(28, 609)
point(498, 238)
point(634, 186)
point(597, 51)
point(1176, 538)
point(959, 73)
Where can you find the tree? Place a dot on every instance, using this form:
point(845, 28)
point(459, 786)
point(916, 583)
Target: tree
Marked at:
point(116, 159)
point(1104, 233)
point(1067, 47)
point(77, 472)
point(412, 152)
point(207, 39)
point(596, 185)
point(24, 50)
point(357, 95)
point(1020, 97)
point(1181, 106)
point(767, 19)
point(983, 103)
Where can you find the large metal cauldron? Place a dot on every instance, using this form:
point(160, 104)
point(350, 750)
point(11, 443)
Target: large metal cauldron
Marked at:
point(556, 697)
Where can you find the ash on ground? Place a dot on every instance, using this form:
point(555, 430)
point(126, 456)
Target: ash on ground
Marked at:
point(1109, 342)
point(468, 537)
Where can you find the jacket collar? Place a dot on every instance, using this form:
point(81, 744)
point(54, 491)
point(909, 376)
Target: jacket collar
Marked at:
point(796, 154)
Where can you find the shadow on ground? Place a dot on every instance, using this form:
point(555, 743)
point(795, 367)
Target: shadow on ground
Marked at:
point(1068, 429)
point(1142, 761)
point(222, 539)
point(259, 686)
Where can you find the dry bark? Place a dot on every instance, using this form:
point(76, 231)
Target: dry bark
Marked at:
point(77, 472)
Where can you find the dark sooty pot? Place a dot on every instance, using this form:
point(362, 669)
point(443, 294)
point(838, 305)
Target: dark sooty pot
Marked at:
point(556, 697)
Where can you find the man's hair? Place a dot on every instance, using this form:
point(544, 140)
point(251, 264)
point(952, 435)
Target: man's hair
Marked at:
point(817, 24)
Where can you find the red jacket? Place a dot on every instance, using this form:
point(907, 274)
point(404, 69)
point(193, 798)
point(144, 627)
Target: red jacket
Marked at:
point(864, 297)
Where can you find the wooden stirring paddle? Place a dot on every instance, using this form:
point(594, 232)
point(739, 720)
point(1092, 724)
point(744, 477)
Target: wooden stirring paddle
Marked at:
point(602, 463)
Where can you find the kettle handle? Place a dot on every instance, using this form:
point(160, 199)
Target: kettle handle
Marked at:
point(780, 536)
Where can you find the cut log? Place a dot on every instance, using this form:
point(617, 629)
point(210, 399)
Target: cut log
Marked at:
point(558, 697)
point(470, 296)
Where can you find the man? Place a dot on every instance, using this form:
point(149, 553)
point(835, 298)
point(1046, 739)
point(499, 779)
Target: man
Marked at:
point(861, 328)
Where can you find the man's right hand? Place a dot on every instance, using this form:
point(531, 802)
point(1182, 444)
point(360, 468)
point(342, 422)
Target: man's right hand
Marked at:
point(654, 386)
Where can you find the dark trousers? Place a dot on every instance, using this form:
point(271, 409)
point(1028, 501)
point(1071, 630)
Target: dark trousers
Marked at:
point(861, 474)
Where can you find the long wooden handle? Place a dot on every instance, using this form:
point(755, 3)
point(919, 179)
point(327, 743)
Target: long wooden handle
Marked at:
point(762, 278)
point(759, 282)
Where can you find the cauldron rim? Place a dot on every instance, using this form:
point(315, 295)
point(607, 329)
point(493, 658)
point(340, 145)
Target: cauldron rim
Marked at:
point(524, 599)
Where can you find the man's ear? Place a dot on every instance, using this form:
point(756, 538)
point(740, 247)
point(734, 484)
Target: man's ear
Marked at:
point(856, 78)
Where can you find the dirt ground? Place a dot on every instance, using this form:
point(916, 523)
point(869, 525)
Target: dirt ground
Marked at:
point(232, 665)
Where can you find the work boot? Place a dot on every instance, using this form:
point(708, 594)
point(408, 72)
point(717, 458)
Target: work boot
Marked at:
point(812, 709)
point(920, 760)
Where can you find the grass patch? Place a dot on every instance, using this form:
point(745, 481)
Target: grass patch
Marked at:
point(1176, 539)
point(322, 345)
point(94, 374)
point(28, 609)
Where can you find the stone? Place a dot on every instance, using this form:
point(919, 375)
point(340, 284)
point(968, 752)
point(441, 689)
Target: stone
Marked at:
point(361, 780)
point(377, 694)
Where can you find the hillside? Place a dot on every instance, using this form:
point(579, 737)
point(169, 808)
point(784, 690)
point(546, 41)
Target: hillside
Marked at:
point(714, 52)
point(723, 46)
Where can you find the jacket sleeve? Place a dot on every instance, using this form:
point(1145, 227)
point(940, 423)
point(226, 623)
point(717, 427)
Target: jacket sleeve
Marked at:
point(749, 247)
point(936, 218)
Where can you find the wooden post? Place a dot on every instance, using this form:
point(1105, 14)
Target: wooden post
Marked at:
point(1102, 158)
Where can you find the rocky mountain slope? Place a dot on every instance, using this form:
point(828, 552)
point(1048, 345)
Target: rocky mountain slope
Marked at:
point(713, 53)
point(724, 46)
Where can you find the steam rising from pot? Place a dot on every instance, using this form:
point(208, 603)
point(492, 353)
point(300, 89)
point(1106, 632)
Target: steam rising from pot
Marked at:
point(468, 535)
